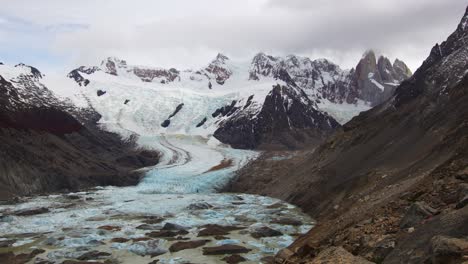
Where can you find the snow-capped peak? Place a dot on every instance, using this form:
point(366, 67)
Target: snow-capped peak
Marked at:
point(29, 70)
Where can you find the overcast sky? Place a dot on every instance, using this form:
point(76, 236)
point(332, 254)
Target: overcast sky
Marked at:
point(59, 34)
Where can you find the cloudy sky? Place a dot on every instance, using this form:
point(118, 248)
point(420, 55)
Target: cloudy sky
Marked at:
point(59, 34)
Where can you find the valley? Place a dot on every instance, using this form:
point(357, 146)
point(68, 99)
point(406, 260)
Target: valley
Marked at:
point(175, 203)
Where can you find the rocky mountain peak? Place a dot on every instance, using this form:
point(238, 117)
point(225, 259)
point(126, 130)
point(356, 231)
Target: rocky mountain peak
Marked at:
point(377, 79)
point(444, 68)
point(402, 71)
point(32, 71)
point(262, 65)
point(218, 69)
point(221, 58)
point(111, 64)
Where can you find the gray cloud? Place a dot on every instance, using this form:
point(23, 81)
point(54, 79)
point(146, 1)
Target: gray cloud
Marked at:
point(189, 33)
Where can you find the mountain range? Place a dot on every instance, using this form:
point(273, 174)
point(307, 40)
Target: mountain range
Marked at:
point(232, 100)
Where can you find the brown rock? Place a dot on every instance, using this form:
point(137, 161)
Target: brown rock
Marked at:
point(178, 246)
point(166, 233)
point(80, 262)
point(213, 231)
point(283, 255)
point(151, 220)
point(11, 258)
point(265, 232)
point(29, 212)
point(417, 212)
point(141, 239)
point(217, 230)
point(6, 243)
point(146, 227)
point(225, 249)
point(462, 203)
point(287, 221)
point(448, 249)
point(234, 259)
point(110, 228)
point(268, 260)
point(93, 255)
point(338, 255)
point(119, 240)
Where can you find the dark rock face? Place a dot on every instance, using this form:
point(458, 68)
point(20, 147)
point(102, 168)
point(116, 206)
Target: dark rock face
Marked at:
point(100, 92)
point(76, 74)
point(287, 117)
point(202, 122)
point(167, 122)
point(225, 110)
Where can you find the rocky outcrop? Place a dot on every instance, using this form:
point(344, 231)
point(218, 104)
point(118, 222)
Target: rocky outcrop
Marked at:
point(409, 152)
point(161, 75)
point(286, 118)
point(76, 74)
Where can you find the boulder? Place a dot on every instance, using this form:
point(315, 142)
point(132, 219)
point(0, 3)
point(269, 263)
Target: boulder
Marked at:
point(171, 226)
point(225, 249)
point(417, 212)
point(265, 231)
point(119, 240)
point(446, 250)
point(178, 246)
point(234, 259)
point(199, 206)
point(217, 230)
point(29, 212)
point(110, 228)
point(214, 230)
point(144, 248)
point(166, 233)
point(463, 201)
point(93, 255)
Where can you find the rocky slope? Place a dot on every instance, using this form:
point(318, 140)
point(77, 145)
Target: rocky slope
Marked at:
point(391, 185)
point(50, 145)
